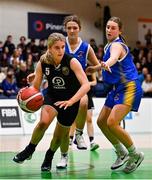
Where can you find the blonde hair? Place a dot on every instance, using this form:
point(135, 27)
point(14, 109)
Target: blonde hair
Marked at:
point(55, 37)
point(47, 57)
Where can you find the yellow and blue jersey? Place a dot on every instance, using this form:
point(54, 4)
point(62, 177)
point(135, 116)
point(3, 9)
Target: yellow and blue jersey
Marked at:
point(124, 78)
point(124, 70)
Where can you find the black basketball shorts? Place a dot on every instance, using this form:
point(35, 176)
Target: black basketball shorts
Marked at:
point(64, 117)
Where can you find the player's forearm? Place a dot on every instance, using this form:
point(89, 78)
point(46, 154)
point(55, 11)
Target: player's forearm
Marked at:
point(111, 61)
point(80, 93)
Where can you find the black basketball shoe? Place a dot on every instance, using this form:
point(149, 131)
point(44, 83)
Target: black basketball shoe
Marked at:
point(26, 154)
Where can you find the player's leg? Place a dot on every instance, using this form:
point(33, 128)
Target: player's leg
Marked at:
point(63, 148)
point(117, 114)
point(47, 115)
point(80, 122)
point(121, 152)
point(64, 153)
point(128, 100)
point(60, 136)
point(90, 130)
point(71, 134)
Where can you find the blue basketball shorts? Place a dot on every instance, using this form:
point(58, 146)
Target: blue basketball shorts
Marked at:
point(129, 93)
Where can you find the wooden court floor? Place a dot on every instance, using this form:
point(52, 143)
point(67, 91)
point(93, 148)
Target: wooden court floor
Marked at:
point(82, 164)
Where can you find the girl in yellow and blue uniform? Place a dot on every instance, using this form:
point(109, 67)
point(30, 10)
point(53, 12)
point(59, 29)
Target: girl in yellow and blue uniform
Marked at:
point(120, 72)
point(124, 78)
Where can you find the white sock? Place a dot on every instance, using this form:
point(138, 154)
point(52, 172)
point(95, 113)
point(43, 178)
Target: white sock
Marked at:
point(132, 149)
point(79, 131)
point(120, 148)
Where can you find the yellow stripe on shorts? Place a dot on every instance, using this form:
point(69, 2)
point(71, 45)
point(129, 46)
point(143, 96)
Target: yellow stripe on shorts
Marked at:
point(130, 93)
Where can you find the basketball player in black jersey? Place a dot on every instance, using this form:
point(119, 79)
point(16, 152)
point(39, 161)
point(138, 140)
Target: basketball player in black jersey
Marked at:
point(67, 84)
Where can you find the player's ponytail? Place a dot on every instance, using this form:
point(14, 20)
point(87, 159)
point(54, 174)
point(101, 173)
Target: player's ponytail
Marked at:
point(122, 38)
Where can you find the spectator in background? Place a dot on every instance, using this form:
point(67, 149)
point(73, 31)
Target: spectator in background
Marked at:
point(41, 47)
point(8, 43)
point(148, 37)
point(147, 86)
point(15, 65)
point(30, 63)
point(16, 56)
point(141, 55)
point(143, 61)
point(9, 85)
point(22, 43)
point(2, 75)
point(149, 61)
point(1, 91)
point(136, 51)
point(139, 67)
point(1, 51)
point(100, 52)
point(21, 75)
point(94, 45)
point(33, 49)
point(142, 76)
point(5, 59)
point(99, 55)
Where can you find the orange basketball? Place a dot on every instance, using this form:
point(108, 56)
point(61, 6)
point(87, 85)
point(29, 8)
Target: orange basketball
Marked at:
point(30, 99)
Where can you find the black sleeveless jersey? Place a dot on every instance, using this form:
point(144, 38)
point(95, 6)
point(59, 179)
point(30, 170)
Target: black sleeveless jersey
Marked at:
point(62, 81)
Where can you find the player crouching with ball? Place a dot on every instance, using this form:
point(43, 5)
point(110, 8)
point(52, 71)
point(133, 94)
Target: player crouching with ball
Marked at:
point(67, 84)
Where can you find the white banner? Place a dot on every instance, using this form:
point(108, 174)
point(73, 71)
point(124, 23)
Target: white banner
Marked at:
point(30, 120)
point(136, 122)
point(11, 123)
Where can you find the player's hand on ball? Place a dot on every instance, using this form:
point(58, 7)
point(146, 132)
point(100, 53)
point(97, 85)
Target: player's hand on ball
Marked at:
point(30, 77)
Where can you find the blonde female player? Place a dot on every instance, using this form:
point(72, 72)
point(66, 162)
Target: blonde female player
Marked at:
point(67, 84)
point(83, 52)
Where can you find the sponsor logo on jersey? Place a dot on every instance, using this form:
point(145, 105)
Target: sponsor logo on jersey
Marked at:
point(65, 70)
point(58, 83)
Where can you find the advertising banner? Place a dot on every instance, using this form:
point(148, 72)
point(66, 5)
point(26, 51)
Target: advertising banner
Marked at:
point(30, 120)
point(15, 121)
point(41, 25)
point(10, 117)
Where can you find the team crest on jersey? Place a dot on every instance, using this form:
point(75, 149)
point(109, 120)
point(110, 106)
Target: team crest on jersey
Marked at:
point(117, 97)
point(80, 54)
point(65, 70)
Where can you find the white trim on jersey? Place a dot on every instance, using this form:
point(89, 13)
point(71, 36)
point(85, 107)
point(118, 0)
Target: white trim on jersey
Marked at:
point(69, 47)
